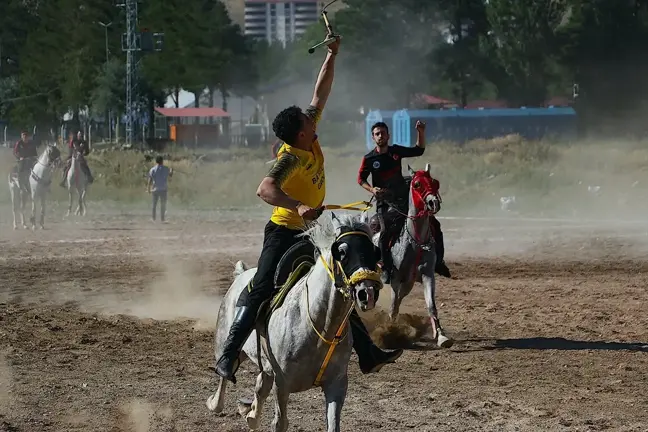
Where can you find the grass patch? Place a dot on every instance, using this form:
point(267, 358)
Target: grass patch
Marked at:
point(546, 178)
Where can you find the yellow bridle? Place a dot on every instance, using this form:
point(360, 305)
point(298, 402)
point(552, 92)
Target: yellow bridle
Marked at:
point(355, 278)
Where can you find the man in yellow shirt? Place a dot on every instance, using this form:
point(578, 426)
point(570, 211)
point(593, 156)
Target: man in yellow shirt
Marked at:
point(296, 187)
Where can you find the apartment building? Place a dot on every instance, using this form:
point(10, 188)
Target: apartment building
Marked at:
point(276, 20)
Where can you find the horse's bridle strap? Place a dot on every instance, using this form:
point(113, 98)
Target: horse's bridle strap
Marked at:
point(349, 282)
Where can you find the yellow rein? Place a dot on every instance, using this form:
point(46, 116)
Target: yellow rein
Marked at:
point(354, 279)
point(351, 206)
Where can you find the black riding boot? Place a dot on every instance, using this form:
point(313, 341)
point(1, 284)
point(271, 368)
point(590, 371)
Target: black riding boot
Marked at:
point(387, 260)
point(370, 357)
point(441, 267)
point(241, 328)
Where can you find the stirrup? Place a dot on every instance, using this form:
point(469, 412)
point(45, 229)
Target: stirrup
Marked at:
point(235, 367)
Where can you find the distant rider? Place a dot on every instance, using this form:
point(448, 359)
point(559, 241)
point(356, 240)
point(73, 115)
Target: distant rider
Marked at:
point(26, 154)
point(80, 145)
point(390, 188)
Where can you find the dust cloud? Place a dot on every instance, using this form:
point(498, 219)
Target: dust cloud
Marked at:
point(139, 415)
point(177, 294)
point(407, 329)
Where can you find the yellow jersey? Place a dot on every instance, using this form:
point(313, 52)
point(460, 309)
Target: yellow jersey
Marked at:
point(300, 175)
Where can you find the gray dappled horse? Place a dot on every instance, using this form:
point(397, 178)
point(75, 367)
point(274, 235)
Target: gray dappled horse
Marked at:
point(34, 182)
point(413, 251)
point(77, 180)
point(291, 346)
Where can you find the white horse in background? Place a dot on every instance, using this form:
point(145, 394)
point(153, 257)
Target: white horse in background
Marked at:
point(40, 181)
point(35, 182)
point(77, 180)
point(19, 189)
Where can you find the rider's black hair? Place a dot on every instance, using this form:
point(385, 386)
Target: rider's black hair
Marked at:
point(379, 125)
point(159, 159)
point(288, 123)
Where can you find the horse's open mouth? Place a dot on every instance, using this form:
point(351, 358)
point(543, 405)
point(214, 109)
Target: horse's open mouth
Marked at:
point(432, 204)
point(366, 296)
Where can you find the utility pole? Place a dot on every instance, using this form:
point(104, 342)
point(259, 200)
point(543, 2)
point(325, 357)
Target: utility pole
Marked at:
point(109, 115)
point(130, 44)
point(134, 42)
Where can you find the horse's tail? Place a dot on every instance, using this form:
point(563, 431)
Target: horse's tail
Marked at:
point(239, 268)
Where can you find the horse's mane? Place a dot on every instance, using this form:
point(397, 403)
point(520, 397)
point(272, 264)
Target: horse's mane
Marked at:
point(323, 234)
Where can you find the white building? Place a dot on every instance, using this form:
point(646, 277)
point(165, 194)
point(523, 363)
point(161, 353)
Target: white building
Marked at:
point(279, 20)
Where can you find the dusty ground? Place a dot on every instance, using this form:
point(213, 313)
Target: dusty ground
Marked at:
point(106, 325)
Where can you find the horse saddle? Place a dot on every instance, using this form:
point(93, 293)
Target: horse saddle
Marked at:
point(292, 267)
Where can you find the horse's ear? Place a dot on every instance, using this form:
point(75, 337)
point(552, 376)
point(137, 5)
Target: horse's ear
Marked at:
point(335, 221)
point(411, 171)
point(428, 168)
point(364, 217)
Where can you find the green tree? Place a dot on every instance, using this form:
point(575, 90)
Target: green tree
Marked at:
point(108, 94)
point(40, 67)
point(605, 45)
point(521, 45)
point(388, 47)
point(458, 62)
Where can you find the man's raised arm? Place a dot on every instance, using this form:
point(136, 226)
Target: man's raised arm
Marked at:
point(325, 78)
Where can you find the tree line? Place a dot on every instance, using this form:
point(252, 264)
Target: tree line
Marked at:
point(53, 57)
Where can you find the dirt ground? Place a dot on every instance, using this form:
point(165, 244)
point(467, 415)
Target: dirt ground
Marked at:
point(106, 324)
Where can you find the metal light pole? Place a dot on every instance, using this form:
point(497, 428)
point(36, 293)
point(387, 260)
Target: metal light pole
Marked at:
point(105, 26)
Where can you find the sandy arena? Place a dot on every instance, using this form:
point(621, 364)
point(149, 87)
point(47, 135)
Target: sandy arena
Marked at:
point(106, 324)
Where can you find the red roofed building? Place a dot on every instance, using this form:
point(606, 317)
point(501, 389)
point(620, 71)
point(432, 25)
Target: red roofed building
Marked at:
point(183, 125)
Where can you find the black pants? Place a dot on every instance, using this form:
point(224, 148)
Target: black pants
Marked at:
point(438, 239)
point(277, 240)
point(391, 221)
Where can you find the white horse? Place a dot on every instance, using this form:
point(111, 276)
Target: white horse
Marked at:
point(294, 351)
point(40, 181)
point(19, 189)
point(77, 180)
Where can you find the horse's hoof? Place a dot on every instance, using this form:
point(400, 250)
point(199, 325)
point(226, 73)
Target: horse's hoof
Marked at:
point(444, 341)
point(252, 422)
point(244, 407)
point(212, 404)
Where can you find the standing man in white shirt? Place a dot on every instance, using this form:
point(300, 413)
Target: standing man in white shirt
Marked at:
point(158, 178)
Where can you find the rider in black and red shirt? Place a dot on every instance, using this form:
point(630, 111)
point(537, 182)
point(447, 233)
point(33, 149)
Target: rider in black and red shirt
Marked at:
point(25, 148)
point(389, 187)
point(26, 154)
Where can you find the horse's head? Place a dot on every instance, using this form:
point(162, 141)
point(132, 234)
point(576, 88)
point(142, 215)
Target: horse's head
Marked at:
point(355, 261)
point(424, 191)
point(53, 153)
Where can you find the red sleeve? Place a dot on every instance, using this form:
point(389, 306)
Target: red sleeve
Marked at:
point(363, 172)
point(70, 144)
